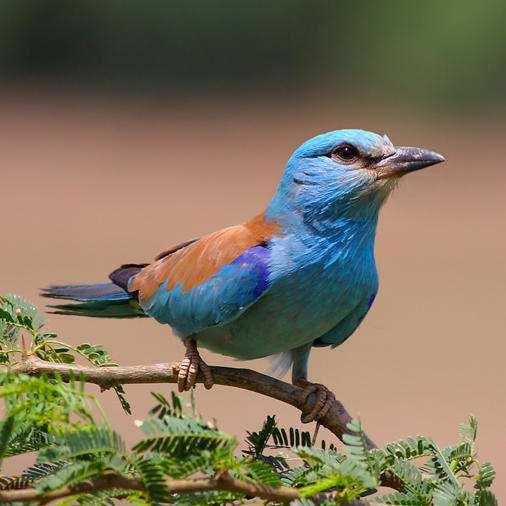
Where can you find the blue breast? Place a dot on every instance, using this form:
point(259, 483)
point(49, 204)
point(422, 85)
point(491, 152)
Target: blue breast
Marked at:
point(315, 284)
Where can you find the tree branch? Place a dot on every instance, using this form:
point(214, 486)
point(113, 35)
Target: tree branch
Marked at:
point(112, 481)
point(335, 420)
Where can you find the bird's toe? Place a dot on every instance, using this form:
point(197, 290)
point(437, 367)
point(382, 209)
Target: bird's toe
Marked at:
point(324, 400)
point(187, 372)
point(208, 375)
point(184, 374)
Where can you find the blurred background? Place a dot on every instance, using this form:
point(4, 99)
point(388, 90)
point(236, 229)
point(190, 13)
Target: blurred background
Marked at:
point(126, 127)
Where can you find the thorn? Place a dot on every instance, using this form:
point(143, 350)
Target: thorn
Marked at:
point(315, 434)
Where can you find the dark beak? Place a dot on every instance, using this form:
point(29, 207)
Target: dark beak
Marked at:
point(405, 160)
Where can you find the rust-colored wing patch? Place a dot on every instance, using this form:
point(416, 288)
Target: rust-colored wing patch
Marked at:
point(192, 264)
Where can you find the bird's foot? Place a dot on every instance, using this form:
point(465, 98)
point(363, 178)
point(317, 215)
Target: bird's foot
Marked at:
point(190, 367)
point(324, 400)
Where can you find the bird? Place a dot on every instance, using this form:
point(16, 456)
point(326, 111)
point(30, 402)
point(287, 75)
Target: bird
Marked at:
point(300, 274)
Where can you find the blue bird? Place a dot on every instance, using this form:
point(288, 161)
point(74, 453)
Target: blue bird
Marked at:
point(298, 275)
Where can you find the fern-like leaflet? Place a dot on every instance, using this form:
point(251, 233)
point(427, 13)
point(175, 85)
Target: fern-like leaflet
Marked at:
point(181, 437)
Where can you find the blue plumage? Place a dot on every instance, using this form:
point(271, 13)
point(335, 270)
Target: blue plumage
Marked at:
point(257, 259)
point(302, 274)
point(214, 302)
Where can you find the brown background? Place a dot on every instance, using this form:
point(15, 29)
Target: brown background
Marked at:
point(88, 183)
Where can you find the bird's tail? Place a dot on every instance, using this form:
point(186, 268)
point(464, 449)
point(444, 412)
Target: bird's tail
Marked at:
point(102, 300)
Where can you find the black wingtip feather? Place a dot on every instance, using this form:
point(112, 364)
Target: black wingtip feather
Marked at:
point(121, 276)
point(98, 291)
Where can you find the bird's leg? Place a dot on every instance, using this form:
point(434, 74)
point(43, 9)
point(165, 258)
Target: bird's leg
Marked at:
point(190, 366)
point(324, 397)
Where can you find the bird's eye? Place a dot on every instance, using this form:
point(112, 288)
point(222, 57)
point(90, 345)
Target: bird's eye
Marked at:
point(346, 153)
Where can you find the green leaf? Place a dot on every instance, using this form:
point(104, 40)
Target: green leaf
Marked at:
point(349, 487)
point(469, 429)
point(261, 472)
point(215, 498)
point(294, 437)
point(108, 498)
point(441, 469)
point(43, 402)
point(6, 316)
point(96, 354)
point(358, 447)
point(66, 358)
point(485, 498)
point(26, 439)
point(153, 479)
point(280, 437)
point(174, 407)
point(485, 476)
point(22, 310)
point(257, 441)
point(120, 392)
point(41, 470)
point(70, 474)
point(319, 457)
point(416, 491)
point(6, 430)
point(404, 498)
point(448, 493)
point(299, 476)
point(13, 482)
point(182, 468)
point(85, 441)
point(180, 437)
point(409, 448)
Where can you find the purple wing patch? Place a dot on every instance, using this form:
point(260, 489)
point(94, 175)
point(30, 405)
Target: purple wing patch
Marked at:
point(256, 258)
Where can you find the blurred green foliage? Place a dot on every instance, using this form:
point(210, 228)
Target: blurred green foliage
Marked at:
point(450, 52)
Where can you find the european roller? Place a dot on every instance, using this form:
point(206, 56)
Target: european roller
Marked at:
point(300, 274)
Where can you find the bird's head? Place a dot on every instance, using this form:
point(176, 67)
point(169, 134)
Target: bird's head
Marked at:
point(345, 172)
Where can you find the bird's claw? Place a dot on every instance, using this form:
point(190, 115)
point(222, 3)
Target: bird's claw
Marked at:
point(324, 400)
point(189, 368)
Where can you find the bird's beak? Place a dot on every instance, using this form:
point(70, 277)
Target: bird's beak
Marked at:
point(405, 160)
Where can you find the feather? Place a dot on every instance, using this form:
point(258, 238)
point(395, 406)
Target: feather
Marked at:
point(105, 300)
point(281, 363)
point(191, 264)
